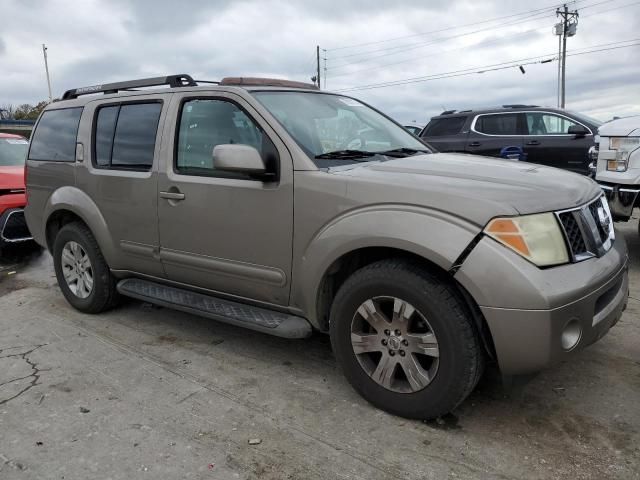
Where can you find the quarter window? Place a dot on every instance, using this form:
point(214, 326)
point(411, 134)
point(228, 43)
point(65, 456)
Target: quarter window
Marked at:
point(125, 136)
point(55, 136)
point(547, 124)
point(206, 123)
point(501, 124)
point(444, 126)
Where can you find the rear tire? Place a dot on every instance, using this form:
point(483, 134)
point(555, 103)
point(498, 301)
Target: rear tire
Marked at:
point(423, 358)
point(82, 272)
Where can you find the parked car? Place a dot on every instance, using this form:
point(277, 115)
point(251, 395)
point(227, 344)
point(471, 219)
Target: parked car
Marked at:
point(240, 202)
point(618, 165)
point(13, 152)
point(548, 136)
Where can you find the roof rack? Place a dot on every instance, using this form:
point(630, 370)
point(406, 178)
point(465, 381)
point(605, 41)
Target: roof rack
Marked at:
point(173, 81)
point(448, 112)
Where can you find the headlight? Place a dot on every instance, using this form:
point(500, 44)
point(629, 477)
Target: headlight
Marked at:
point(537, 238)
point(623, 146)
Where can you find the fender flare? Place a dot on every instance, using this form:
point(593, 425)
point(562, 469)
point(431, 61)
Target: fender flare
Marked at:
point(74, 200)
point(431, 234)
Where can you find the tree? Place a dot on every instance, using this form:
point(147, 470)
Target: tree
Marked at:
point(24, 111)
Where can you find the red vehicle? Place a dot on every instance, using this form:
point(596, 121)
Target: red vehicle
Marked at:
point(13, 152)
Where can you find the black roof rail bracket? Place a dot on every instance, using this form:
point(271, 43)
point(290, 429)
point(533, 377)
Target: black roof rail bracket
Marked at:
point(173, 81)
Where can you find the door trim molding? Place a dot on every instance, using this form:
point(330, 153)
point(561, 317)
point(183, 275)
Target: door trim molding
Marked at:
point(221, 266)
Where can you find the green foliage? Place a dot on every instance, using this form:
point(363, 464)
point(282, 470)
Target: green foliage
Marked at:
point(29, 112)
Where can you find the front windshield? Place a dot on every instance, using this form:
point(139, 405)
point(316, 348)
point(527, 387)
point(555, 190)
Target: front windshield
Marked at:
point(325, 124)
point(13, 151)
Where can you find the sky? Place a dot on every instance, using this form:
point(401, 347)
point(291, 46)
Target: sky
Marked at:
point(365, 43)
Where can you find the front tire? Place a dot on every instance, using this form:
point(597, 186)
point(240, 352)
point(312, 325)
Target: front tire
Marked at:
point(405, 340)
point(82, 272)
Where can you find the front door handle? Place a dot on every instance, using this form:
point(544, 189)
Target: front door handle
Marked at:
point(474, 144)
point(172, 195)
point(533, 142)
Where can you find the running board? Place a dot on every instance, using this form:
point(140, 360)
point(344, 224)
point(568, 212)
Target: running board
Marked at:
point(234, 313)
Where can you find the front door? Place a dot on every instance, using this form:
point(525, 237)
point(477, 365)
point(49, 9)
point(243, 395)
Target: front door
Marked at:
point(548, 142)
point(222, 231)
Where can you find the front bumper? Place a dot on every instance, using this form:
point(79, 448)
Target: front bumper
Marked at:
point(622, 199)
point(527, 308)
point(13, 227)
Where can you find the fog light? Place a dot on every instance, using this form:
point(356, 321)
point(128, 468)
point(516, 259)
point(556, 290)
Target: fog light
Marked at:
point(571, 334)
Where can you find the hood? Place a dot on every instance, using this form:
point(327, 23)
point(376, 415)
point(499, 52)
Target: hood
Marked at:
point(472, 187)
point(623, 127)
point(11, 178)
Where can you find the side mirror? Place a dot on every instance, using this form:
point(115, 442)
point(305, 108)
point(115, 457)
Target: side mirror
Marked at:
point(578, 130)
point(238, 158)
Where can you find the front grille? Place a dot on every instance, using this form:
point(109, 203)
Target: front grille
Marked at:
point(573, 233)
point(588, 229)
point(15, 227)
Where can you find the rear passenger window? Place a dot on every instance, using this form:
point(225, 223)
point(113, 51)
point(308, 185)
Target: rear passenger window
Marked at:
point(125, 136)
point(501, 124)
point(444, 126)
point(55, 136)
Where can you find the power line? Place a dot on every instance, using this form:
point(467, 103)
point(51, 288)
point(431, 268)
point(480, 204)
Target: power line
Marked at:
point(494, 67)
point(407, 47)
point(541, 13)
point(481, 43)
point(495, 19)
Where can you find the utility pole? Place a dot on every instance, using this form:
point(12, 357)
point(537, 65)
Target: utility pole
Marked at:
point(317, 64)
point(46, 68)
point(568, 28)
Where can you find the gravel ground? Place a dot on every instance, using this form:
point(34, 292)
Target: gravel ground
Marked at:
point(145, 392)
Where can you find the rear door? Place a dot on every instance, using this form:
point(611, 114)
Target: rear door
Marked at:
point(120, 175)
point(491, 132)
point(446, 134)
point(548, 142)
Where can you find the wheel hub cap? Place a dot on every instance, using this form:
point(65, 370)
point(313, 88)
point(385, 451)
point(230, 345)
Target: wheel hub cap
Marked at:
point(394, 344)
point(77, 269)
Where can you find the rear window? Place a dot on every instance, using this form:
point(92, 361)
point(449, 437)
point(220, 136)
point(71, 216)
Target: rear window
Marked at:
point(13, 151)
point(125, 136)
point(55, 136)
point(500, 124)
point(444, 126)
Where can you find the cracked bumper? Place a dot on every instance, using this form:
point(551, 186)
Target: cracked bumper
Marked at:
point(529, 311)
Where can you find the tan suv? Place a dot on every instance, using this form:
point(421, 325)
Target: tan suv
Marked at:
point(277, 207)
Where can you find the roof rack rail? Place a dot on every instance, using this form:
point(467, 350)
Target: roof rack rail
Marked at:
point(448, 112)
point(173, 81)
point(518, 105)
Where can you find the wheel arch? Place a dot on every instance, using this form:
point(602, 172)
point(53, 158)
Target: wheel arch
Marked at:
point(69, 204)
point(431, 239)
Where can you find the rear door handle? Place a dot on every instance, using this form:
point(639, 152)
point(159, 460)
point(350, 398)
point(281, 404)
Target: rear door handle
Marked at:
point(475, 144)
point(533, 142)
point(172, 195)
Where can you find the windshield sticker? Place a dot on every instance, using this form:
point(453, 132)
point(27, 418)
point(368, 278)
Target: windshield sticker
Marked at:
point(350, 102)
point(16, 141)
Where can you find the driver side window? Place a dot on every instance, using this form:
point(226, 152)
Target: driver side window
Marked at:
point(206, 123)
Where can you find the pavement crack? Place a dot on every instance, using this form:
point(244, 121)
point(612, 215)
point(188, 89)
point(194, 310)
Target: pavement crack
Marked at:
point(35, 375)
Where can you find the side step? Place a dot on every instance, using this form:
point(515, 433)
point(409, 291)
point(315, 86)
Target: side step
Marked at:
point(234, 313)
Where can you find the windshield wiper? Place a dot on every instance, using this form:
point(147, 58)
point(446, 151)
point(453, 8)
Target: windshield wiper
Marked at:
point(402, 152)
point(347, 155)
